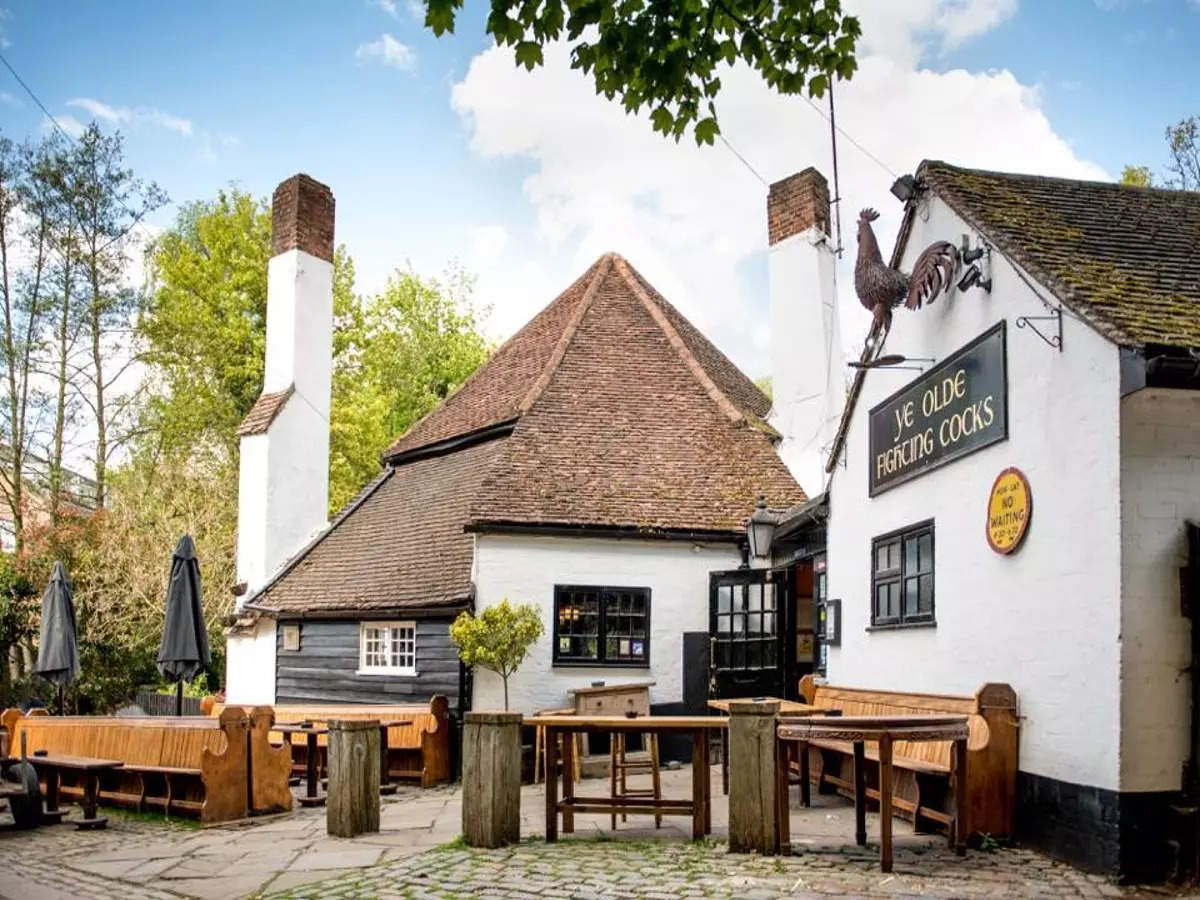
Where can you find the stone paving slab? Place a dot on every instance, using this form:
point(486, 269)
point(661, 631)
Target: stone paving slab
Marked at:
point(415, 854)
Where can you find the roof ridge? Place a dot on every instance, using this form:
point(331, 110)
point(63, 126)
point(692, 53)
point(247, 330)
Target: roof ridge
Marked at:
point(1036, 176)
point(568, 335)
point(727, 406)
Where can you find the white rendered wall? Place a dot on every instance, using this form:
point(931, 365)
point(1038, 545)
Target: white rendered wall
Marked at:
point(250, 665)
point(525, 570)
point(1045, 619)
point(1160, 487)
point(808, 381)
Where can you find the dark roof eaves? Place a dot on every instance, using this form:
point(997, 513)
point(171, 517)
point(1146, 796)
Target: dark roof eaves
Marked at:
point(454, 604)
point(491, 431)
point(627, 532)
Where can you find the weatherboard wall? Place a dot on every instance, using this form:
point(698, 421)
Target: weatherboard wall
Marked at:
point(325, 668)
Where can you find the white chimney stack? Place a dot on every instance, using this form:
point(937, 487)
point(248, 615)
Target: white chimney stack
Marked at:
point(807, 374)
point(283, 486)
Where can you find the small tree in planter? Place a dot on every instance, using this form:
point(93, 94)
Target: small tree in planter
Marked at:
point(497, 638)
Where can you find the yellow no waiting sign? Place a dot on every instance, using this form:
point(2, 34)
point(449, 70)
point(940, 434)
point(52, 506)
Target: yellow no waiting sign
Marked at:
point(1010, 507)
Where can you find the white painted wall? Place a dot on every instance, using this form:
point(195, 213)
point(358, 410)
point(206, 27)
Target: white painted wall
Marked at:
point(250, 665)
point(1160, 487)
point(1047, 618)
point(525, 569)
point(283, 482)
point(807, 365)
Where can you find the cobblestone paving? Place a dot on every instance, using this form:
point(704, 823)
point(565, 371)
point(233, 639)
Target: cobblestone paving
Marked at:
point(584, 868)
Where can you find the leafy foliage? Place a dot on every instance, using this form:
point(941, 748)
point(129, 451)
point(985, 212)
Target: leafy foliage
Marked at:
point(497, 638)
point(1183, 159)
point(666, 55)
point(1137, 176)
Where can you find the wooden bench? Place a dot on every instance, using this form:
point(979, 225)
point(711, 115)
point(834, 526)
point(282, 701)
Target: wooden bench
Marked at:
point(216, 769)
point(418, 752)
point(922, 789)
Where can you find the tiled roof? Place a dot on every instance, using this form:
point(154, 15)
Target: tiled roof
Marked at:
point(264, 411)
point(1126, 259)
point(642, 425)
point(400, 545)
point(501, 389)
point(621, 417)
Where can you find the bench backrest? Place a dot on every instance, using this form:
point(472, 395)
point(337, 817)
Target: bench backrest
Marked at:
point(146, 741)
point(427, 718)
point(865, 702)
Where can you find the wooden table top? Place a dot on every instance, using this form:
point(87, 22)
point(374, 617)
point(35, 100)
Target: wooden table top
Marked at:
point(81, 763)
point(871, 728)
point(624, 723)
point(298, 728)
point(786, 707)
point(613, 688)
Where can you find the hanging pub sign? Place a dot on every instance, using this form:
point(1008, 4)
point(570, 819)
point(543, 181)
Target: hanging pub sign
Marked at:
point(1010, 505)
point(956, 408)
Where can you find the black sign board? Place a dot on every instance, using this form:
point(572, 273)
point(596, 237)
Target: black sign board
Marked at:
point(956, 408)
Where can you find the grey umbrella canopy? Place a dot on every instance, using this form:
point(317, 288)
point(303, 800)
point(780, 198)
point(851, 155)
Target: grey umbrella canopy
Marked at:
point(58, 650)
point(184, 653)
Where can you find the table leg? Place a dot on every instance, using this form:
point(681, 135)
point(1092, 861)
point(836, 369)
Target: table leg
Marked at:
point(91, 792)
point(958, 829)
point(612, 774)
point(699, 777)
point(783, 778)
point(885, 803)
point(551, 753)
point(568, 780)
point(707, 781)
point(385, 777)
point(52, 791)
point(725, 761)
point(805, 776)
point(860, 794)
point(311, 765)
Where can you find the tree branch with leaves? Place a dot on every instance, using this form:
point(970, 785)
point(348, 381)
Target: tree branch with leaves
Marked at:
point(497, 638)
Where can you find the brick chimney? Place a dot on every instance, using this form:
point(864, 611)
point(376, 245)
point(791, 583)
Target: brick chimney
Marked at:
point(283, 486)
point(807, 368)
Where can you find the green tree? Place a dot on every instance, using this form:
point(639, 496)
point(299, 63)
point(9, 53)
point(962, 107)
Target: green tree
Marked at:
point(1137, 176)
point(397, 355)
point(667, 56)
point(18, 617)
point(497, 638)
point(1183, 159)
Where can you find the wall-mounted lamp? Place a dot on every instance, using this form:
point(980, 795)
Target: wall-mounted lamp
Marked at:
point(974, 277)
point(760, 529)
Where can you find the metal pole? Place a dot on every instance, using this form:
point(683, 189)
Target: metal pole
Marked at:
point(179, 697)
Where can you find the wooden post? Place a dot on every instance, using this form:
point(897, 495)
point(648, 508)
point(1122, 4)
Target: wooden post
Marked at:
point(352, 807)
point(753, 779)
point(491, 793)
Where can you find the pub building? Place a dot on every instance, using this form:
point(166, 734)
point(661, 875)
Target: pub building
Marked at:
point(1013, 492)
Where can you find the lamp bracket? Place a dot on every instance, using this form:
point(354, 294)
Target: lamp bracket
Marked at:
point(1054, 340)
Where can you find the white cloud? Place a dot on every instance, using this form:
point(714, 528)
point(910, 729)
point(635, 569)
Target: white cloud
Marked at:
point(416, 10)
point(388, 51)
point(693, 219)
point(124, 114)
point(388, 6)
point(9, 100)
point(488, 244)
point(907, 31)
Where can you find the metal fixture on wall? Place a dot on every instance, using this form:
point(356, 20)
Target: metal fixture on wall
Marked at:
point(1054, 340)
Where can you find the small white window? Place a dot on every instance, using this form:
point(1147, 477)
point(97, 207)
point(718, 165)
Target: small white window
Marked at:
point(387, 648)
point(291, 637)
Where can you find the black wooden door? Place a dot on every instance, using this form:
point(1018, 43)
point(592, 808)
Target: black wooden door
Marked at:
point(750, 613)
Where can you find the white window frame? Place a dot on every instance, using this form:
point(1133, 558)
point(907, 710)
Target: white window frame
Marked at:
point(385, 627)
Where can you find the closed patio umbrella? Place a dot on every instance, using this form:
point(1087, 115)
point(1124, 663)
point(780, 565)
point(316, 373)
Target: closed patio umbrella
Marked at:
point(58, 648)
point(184, 652)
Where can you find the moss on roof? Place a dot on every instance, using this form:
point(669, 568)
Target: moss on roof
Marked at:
point(1126, 259)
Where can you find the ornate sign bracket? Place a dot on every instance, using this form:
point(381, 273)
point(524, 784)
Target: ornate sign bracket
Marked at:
point(1054, 340)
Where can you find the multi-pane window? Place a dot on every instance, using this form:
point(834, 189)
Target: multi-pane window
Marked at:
point(604, 626)
point(902, 576)
point(747, 626)
point(388, 648)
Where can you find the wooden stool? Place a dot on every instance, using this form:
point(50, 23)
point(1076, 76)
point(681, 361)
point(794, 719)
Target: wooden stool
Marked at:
point(619, 767)
point(539, 745)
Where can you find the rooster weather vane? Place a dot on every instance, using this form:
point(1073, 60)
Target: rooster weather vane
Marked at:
point(881, 288)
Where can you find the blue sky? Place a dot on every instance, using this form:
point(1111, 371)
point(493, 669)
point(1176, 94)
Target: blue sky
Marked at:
point(438, 149)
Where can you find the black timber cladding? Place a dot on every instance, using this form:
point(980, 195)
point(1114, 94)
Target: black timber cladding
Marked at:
point(324, 669)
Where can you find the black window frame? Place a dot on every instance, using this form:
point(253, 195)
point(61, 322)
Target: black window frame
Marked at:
point(900, 576)
point(566, 591)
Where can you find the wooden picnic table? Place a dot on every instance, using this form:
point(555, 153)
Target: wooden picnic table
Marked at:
point(699, 807)
point(786, 708)
point(311, 730)
point(53, 765)
point(795, 733)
